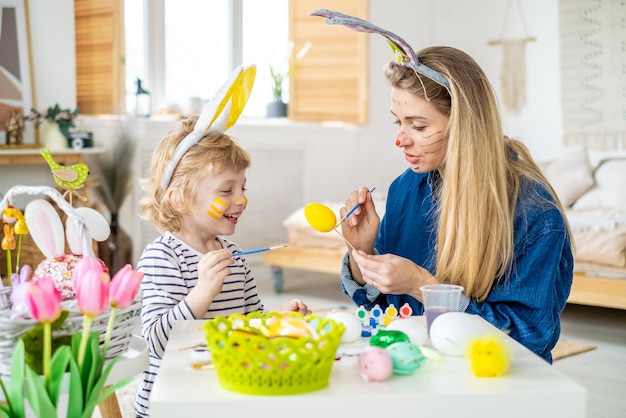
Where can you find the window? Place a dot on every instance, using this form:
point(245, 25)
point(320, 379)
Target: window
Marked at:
point(185, 49)
point(193, 45)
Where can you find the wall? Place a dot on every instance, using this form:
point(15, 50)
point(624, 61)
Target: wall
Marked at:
point(341, 157)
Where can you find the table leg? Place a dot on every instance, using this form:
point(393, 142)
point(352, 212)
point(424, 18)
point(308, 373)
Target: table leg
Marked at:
point(277, 278)
point(110, 407)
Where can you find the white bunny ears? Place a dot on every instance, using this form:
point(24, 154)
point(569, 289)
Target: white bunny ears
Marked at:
point(218, 115)
point(46, 229)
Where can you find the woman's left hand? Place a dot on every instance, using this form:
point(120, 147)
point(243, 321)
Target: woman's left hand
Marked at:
point(296, 305)
point(392, 274)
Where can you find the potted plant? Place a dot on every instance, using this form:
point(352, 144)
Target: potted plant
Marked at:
point(277, 108)
point(56, 132)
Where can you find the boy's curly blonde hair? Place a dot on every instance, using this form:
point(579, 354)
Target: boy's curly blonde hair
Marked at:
point(212, 155)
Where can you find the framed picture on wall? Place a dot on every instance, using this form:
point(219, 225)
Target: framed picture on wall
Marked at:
point(16, 91)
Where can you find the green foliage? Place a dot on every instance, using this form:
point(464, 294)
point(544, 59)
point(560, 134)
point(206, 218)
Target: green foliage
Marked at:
point(14, 395)
point(54, 114)
point(33, 341)
point(277, 88)
point(86, 385)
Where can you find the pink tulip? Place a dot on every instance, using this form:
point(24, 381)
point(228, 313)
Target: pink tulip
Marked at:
point(43, 299)
point(91, 284)
point(124, 287)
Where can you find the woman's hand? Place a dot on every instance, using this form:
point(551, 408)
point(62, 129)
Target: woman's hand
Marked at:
point(392, 274)
point(296, 305)
point(361, 228)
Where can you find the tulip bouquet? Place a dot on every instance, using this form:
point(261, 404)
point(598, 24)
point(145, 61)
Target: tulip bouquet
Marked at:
point(83, 362)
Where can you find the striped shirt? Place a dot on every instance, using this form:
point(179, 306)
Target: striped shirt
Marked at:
point(170, 272)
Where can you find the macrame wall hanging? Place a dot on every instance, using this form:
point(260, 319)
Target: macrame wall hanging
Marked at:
point(513, 76)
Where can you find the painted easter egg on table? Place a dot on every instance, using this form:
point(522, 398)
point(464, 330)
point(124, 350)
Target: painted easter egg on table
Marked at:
point(375, 364)
point(413, 327)
point(406, 357)
point(320, 217)
point(350, 322)
point(451, 332)
point(385, 337)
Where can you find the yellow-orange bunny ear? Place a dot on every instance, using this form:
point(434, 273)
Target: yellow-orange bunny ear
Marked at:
point(235, 100)
point(218, 115)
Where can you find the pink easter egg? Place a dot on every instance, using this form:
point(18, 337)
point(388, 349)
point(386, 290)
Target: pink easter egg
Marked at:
point(375, 364)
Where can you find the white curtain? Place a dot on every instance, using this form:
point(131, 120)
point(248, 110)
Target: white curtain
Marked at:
point(593, 72)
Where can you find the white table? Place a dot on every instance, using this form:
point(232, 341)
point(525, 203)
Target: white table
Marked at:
point(531, 388)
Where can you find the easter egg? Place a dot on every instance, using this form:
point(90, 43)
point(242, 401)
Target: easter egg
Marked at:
point(375, 364)
point(406, 357)
point(384, 338)
point(320, 217)
point(350, 322)
point(61, 269)
point(451, 332)
point(413, 327)
point(289, 326)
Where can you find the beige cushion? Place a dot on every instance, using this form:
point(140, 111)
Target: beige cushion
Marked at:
point(610, 189)
point(570, 174)
point(601, 248)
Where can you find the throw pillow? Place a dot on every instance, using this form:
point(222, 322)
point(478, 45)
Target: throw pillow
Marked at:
point(610, 190)
point(570, 175)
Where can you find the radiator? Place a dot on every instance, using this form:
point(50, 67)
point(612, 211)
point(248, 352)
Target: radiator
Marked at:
point(274, 190)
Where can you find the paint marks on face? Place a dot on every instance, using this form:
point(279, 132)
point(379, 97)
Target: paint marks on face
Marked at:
point(241, 200)
point(217, 208)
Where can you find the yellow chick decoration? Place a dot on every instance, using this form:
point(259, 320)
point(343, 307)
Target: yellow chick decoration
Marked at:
point(70, 177)
point(488, 357)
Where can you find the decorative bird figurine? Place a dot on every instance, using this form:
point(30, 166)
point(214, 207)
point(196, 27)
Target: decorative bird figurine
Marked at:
point(488, 357)
point(70, 177)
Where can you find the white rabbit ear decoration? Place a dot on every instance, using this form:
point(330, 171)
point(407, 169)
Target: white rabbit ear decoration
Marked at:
point(83, 226)
point(218, 114)
point(46, 228)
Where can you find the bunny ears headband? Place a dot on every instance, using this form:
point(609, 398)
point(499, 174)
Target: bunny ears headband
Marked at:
point(218, 115)
point(404, 52)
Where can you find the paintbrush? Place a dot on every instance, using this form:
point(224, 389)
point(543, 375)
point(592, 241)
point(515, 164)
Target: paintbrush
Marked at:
point(258, 250)
point(351, 211)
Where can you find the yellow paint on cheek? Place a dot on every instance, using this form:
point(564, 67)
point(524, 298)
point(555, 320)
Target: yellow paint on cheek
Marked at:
point(216, 212)
point(241, 200)
point(212, 215)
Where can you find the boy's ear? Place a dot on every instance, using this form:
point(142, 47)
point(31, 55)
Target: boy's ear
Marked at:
point(175, 200)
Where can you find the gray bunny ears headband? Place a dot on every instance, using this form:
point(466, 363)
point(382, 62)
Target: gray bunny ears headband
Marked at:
point(218, 115)
point(404, 53)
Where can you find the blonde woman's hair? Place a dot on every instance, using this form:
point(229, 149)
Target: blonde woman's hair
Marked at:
point(212, 155)
point(481, 176)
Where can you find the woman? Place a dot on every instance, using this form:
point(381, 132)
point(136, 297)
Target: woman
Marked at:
point(472, 209)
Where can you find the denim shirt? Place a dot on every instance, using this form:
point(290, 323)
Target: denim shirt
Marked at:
point(527, 303)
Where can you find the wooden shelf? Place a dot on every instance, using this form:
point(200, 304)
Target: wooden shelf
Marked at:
point(33, 155)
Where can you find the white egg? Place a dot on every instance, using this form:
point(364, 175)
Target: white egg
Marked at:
point(413, 327)
point(350, 322)
point(451, 332)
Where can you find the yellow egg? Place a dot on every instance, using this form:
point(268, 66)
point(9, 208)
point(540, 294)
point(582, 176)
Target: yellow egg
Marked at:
point(320, 217)
point(291, 327)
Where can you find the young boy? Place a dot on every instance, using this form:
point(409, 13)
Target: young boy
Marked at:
point(190, 271)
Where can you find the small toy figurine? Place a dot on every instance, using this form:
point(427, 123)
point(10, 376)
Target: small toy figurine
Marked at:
point(14, 128)
point(488, 357)
point(70, 177)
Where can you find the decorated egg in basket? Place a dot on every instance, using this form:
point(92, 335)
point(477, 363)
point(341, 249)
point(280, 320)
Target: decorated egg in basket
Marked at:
point(61, 269)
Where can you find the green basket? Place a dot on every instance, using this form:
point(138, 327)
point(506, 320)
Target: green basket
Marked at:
point(247, 361)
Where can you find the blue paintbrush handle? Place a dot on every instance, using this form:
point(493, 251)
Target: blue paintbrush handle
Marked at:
point(352, 210)
point(258, 250)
